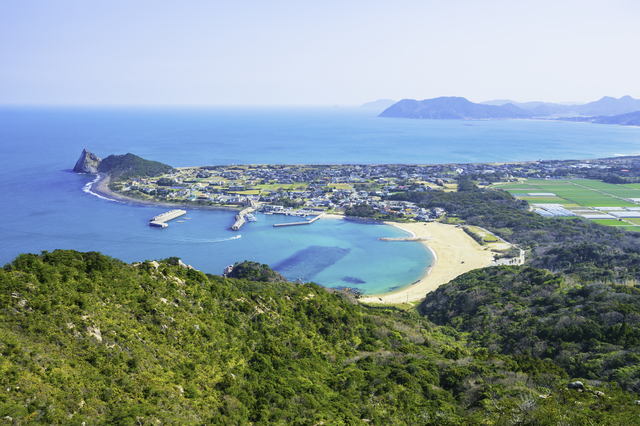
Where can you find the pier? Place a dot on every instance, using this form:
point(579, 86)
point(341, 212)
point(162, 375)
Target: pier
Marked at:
point(309, 222)
point(159, 221)
point(240, 220)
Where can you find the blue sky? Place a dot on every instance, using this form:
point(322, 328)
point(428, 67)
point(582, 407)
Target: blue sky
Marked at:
point(142, 52)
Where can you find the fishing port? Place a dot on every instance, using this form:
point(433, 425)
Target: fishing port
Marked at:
point(308, 222)
point(160, 220)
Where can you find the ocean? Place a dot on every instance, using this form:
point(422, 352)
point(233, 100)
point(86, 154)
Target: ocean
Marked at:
point(45, 206)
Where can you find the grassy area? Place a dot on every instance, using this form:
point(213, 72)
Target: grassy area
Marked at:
point(610, 222)
point(486, 236)
point(586, 193)
point(344, 186)
point(574, 194)
point(248, 192)
point(546, 200)
point(296, 186)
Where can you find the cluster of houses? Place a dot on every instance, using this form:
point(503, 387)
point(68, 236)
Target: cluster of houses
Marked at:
point(342, 186)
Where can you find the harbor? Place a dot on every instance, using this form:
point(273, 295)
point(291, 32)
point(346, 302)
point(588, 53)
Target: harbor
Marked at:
point(308, 222)
point(160, 220)
point(241, 220)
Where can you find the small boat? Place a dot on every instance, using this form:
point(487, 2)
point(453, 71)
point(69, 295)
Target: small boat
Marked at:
point(250, 217)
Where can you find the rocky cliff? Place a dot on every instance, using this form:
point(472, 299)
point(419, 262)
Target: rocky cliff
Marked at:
point(87, 163)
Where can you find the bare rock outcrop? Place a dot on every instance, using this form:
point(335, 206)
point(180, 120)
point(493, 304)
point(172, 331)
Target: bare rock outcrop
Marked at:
point(87, 163)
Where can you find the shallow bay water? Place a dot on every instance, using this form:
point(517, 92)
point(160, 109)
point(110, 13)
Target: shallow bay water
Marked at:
point(44, 206)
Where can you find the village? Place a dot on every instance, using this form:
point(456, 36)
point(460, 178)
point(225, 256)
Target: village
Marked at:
point(336, 188)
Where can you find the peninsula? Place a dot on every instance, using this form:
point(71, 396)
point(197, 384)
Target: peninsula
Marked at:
point(608, 110)
point(420, 199)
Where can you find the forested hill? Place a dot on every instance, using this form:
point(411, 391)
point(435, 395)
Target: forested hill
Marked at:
point(129, 166)
point(591, 330)
point(87, 339)
point(579, 247)
point(452, 108)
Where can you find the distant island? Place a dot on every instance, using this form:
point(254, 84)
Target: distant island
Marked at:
point(380, 103)
point(458, 108)
point(630, 119)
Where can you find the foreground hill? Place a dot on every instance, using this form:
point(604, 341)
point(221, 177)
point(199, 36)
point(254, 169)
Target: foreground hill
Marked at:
point(452, 108)
point(87, 339)
point(590, 329)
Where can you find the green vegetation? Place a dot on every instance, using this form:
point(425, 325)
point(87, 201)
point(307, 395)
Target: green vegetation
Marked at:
point(128, 166)
point(87, 338)
point(590, 330)
point(254, 271)
point(579, 247)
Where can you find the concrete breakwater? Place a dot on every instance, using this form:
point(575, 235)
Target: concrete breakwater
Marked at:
point(159, 221)
point(309, 222)
point(240, 220)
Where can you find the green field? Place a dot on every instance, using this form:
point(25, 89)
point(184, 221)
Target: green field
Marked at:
point(580, 193)
point(345, 186)
point(296, 186)
point(584, 193)
point(610, 222)
point(248, 192)
point(546, 200)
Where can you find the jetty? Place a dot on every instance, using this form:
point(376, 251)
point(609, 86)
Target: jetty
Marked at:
point(309, 222)
point(406, 239)
point(160, 220)
point(240, 220)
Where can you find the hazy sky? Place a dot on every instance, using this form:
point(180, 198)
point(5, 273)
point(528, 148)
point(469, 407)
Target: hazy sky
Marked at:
point(315, 53)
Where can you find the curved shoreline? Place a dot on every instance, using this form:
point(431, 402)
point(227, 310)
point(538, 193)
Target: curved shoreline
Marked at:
point(455, 253)
point(100, 187)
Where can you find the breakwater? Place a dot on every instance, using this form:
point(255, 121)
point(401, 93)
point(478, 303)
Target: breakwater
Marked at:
point(309, 222)
point(159, 221)
point(240, 220)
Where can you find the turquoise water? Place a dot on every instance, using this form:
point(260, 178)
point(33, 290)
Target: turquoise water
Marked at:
point(44, 206)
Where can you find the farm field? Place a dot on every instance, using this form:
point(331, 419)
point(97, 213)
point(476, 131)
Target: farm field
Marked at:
point(576, 194)
point(544, 200)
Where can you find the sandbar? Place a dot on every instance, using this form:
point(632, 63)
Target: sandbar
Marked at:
point(455, 253)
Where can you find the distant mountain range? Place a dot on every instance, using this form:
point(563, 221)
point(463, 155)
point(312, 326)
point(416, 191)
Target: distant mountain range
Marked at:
point(629, 119)
point(380, 103)
point(461, 108)
point(452, 108)
point(605, 106)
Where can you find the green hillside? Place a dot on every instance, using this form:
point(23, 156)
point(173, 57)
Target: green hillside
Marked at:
point(88, 338)
point(129, 166)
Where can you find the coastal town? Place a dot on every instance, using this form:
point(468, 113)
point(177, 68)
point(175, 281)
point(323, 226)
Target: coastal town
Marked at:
point(339, 188)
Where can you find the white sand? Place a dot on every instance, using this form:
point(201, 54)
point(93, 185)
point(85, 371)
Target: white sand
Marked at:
point(455, 253)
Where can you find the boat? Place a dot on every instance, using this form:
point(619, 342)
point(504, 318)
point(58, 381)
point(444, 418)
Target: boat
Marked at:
point(250, 218)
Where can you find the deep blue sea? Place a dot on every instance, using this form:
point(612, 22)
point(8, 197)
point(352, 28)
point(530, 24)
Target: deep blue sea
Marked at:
point(44, 206)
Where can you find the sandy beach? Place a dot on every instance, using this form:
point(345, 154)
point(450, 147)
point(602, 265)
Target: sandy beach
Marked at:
point(455, 253)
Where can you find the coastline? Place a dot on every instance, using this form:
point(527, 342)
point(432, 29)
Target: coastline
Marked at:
point(100, 187)
point(455, 253)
